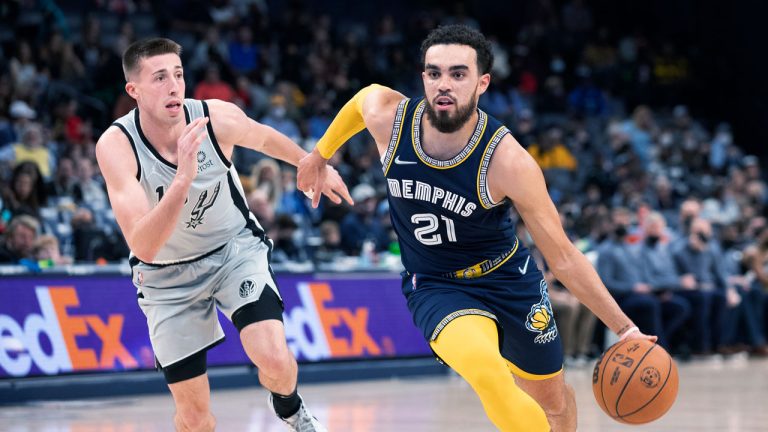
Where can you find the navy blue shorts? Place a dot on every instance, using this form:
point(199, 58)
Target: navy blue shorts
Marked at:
point(514, 295)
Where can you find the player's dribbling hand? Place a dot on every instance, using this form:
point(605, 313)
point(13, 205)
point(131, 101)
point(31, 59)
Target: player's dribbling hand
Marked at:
point(187, 147)
point(635, 333)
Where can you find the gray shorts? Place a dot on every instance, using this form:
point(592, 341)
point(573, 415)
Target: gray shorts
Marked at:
point(180, 300)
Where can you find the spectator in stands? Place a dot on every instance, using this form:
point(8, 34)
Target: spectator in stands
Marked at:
point(46, 248)
point(659, 270)
point(361, 224)
point(278, 118)
point(620, 266)
point(209, 51)
point(555, 159)
point(642, 132)
point(266, 176)
point(261, 207)
point(212, 87)
point(23, 69)
point(88, 190)
point(330, 243)
point(32, 148)
point(713, 299)
point(26, 192)
point(19, 239)
point(748, 265)
point(64, 181)
point(587, 99)
point(244, 52)
point(283, 234)
point(21, 115)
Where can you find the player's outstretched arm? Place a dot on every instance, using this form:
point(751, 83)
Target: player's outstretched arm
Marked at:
point(233, 127)
point(515, 174)
point(373, 108)
point(146, 229)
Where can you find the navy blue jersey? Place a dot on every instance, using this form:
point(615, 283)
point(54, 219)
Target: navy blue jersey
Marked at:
point(446, 221)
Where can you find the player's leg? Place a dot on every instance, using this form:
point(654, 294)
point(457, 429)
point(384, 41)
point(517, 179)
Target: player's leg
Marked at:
point(556, 398)
point(182, 321)
point(249, 296)
point(188, 383)
point(470, 345)
point(263, 337)
point(264, 342)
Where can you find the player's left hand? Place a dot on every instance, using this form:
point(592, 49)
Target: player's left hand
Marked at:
point(334, 188)
point(637, 334)
point(314, 174)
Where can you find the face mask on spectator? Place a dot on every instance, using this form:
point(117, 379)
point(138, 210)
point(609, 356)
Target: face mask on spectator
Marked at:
point(621, 231)
point(703, 237)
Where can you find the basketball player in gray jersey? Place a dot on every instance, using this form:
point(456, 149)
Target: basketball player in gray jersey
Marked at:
point(195, 246)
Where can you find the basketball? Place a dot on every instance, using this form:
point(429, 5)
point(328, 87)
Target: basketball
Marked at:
point(635, 381)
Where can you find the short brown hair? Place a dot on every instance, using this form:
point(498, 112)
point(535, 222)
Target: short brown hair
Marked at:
point(25, 221)
point(147, 48)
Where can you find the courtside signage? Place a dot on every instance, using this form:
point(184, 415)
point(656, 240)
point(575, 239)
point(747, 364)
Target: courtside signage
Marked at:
point(52, 326)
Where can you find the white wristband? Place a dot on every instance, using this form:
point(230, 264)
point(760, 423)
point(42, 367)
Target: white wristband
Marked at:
point(628, 332)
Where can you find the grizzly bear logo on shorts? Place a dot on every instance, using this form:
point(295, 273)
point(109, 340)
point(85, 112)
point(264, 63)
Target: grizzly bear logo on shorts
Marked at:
point(247, 287)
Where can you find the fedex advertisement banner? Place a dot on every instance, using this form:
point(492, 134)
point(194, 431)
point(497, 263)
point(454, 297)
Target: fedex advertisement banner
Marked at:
point(66, 324)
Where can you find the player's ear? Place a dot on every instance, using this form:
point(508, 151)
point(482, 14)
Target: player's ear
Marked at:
point(485, 81)
point(130, 88)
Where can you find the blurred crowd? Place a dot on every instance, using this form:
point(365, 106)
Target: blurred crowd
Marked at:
point(667, 205)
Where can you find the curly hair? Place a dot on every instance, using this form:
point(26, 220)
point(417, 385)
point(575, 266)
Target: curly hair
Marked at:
point(461, 35)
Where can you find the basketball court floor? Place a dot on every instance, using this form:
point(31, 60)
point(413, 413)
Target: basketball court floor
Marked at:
point(715, 395)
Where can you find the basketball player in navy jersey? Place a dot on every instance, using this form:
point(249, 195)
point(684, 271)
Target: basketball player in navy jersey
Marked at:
point(195, 246)
point(453, 172)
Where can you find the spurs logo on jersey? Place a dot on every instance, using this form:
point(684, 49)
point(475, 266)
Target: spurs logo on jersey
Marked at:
point(203, 204)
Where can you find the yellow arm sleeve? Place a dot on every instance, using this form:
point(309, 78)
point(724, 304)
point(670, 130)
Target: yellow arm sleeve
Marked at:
point(346, 124)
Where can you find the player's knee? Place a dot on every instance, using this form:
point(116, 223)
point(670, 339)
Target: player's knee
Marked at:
point(194, 418)
point(556, 403)
point(278, 362)
point(485, 374)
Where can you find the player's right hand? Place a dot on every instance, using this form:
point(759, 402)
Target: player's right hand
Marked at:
point(187, 147)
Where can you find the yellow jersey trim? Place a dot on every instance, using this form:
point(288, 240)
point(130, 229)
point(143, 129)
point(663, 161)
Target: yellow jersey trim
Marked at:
point(529, 376)
point(484, 267)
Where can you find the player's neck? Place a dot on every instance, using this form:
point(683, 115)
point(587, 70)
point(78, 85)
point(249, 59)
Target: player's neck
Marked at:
point(443, 146)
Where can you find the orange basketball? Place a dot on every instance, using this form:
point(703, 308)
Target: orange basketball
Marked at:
point(635, 381)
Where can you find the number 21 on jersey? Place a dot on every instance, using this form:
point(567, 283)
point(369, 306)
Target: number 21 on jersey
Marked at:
point(426, 233)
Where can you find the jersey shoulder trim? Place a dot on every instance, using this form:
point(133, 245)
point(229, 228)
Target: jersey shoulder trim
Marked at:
point(133, 147)
point(483, 192)
point(396, 132)
point(212, 136)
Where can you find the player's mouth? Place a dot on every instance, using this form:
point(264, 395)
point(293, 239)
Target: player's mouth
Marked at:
point(173, 107)
point(443, 103)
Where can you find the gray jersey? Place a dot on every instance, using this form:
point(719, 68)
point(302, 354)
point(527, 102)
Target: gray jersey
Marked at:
point(215, 210)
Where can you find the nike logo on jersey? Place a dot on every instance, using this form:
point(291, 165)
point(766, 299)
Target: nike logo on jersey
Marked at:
point(524, 269)
point(402, 162)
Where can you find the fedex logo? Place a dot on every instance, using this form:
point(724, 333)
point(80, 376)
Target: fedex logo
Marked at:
point(315, 331)
point(20, 343)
